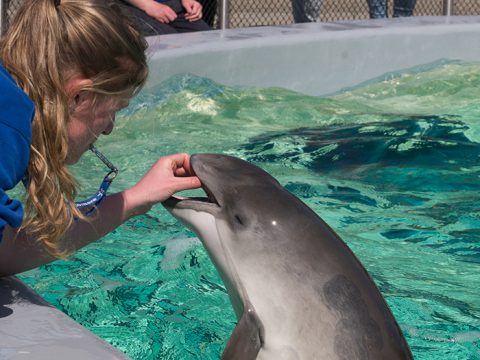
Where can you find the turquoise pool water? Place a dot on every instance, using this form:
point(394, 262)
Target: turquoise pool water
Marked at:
point(392, 165)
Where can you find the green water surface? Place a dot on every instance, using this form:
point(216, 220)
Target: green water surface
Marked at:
point(392, 165)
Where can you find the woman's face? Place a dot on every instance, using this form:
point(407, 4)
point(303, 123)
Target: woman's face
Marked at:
point(88, 120)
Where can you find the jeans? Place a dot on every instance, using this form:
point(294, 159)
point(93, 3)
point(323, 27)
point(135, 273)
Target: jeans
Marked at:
point(378, 8)
point(149, 26)
point(306, 10)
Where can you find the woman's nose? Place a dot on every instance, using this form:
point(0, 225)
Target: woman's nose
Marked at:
point(109, 127)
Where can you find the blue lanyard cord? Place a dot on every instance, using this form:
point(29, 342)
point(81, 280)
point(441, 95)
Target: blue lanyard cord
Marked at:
point(96, 199)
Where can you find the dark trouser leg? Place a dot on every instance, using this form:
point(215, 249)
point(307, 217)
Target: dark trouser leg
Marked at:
point(209, 11)
point(306, 10)
point(145, 24)
point(149, 26)
point(377, 9)
point(403, 8)
point(180, 24)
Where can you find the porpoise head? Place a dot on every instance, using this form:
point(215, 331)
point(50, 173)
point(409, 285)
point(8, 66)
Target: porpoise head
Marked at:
point(224, 220)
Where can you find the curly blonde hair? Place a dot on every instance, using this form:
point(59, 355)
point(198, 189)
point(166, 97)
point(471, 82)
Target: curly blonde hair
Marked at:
point(46, 40)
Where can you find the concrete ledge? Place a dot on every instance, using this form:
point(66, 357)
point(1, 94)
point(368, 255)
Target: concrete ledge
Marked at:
point(31, 328)
point(315, 58)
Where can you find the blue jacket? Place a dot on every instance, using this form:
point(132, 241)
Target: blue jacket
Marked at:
point(16, 114)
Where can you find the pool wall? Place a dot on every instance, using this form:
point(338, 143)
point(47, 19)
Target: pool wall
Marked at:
point(31, 328)
point(313, 59)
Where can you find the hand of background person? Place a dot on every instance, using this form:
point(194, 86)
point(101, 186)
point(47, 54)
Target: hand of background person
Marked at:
point(167, 176)
point(161, 12)
point(193, 10)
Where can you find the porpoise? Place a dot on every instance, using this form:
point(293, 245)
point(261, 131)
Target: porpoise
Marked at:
point(297, 289)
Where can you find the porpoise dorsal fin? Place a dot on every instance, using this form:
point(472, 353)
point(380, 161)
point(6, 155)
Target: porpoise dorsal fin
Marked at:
point(246, 339)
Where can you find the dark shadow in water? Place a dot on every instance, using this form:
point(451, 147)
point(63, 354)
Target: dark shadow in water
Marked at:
point(418, 152)
point(416, 141)
point(411, 162)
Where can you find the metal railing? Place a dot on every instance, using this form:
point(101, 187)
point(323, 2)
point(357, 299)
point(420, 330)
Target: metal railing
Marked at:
point(221, 14)
point(243, 13)
point(2, 17)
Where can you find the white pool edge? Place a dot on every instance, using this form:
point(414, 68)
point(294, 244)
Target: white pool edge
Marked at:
point(31, 328)
point(315, 58)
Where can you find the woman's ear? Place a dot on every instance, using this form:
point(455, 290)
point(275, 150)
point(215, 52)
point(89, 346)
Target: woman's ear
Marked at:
point(75, 90)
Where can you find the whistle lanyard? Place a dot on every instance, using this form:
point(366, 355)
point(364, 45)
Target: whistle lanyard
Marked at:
point(93, 201)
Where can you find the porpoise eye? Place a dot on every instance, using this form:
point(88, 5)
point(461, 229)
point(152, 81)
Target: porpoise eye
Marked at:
point(238, 219)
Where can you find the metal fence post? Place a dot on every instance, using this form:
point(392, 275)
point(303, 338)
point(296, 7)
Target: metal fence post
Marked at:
point(3, 16)
point(447, 7)
point(223, 20)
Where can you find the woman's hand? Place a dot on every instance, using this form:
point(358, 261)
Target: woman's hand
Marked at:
point(193, 10)
point(167, 176)
point(19, 252)
point(162, 13)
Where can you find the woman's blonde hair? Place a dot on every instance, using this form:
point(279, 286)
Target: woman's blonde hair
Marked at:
point(47, 40)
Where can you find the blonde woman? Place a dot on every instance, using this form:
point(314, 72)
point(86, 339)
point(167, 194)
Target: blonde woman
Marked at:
point(66, 67)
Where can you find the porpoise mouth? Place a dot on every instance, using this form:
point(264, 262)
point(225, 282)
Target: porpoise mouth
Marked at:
point(192, 202)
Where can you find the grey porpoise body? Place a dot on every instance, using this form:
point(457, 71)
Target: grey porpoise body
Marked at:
point(297, 289)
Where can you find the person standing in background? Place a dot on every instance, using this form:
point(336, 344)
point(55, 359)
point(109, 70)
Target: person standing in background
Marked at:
point(379, 8)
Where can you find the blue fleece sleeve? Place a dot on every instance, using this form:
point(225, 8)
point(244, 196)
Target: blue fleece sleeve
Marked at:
point(16, 114)
point(14, 150)
point(11, 212)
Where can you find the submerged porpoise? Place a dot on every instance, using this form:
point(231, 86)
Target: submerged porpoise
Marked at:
point(297, 289)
